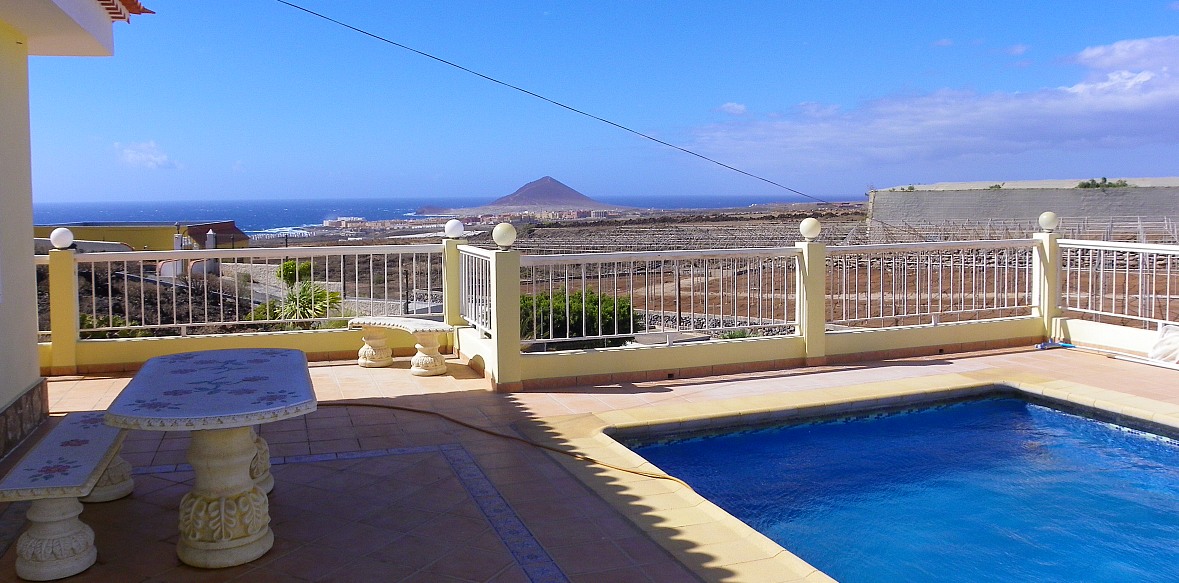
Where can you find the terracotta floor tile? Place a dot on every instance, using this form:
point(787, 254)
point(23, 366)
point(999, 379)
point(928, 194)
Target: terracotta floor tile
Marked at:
point(361, 569)
point(471, 564)
point(334, 445)
point(290, 449)
point(410, 551)
point(591, 557)
point(511, 574)
point(311, 562)
point(668, 571)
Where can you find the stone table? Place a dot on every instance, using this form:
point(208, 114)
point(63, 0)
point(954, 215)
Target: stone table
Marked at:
point(220, 395)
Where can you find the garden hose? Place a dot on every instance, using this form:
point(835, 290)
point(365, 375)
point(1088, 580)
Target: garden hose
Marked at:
point(576, 456)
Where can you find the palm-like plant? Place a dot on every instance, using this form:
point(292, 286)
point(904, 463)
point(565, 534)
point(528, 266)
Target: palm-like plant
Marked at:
point(307, 300)
point(304, 299)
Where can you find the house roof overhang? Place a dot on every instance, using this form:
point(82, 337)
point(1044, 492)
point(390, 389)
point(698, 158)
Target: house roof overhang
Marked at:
point(68, 27)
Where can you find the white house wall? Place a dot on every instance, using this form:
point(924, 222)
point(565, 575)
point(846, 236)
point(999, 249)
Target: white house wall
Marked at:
point(18, 318)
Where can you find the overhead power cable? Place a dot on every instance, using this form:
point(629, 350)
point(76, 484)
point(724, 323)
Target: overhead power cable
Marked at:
point(547, 100)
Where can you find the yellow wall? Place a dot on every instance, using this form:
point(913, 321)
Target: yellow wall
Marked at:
point(1109, 336)
point(481, 352)
point(624, 360)
point(948, 335)
point(18, 323)
point(140, 238)
point(129, 353)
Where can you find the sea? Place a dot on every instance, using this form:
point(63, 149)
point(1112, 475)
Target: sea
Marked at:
point(279, 216)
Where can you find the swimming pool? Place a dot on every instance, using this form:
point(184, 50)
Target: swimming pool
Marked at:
point(998, 489)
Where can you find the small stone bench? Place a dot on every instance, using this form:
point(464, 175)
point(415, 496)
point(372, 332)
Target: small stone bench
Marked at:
point(374, 353)
point(77, 460)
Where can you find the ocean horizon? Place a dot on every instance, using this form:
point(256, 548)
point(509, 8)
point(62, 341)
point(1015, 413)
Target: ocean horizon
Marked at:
point(258, 216)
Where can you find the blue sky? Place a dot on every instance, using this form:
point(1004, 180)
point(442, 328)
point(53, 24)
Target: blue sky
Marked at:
point(255, 99)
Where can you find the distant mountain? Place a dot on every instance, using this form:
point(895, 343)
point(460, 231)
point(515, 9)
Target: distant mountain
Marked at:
point(545, 194)
point(548, 193)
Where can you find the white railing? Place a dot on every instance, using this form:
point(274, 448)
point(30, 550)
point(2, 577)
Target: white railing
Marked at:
point(1120, 283)
point(657, 296)
point(160, 293)
point(924, 283)
point(475, 287)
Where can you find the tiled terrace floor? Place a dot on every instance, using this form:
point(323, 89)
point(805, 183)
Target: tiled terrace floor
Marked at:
point(368, 493)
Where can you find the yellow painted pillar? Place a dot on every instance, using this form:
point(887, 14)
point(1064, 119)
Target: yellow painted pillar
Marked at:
point(1046, 280)
point(63, 311)
point(451, 282)
point(505, 319)
point(812, 295)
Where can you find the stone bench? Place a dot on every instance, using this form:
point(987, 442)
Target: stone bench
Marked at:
point(374, 353)
point(77, 460)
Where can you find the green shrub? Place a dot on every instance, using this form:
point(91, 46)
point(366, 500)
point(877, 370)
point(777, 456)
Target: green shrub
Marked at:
point(88, 321)
point(1103, 183)
point(735, 334)
point(308, 300)
point(266, 311)
point(304, 299)
point(292, 271)
point(585, 313)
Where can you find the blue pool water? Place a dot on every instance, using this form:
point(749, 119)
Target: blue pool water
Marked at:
point(993, 490)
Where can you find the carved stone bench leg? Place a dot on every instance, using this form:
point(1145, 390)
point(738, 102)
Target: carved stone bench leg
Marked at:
point(374, 353)
point(428, 361)
point(114, 483)
point(57, 544)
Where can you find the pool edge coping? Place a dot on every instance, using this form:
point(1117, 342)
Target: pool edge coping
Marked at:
point(720, 547)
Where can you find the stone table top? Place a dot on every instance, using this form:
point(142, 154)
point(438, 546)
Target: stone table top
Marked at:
point(215, 389)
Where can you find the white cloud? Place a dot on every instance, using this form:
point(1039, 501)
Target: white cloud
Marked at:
point(733, 108)
point(1116, 82)
point(944, 42)
point(1160, 52)
point(1127, 98)
point(1017, 50)
point(145, 155)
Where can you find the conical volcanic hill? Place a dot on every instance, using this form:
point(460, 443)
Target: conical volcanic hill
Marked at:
point(547, 193)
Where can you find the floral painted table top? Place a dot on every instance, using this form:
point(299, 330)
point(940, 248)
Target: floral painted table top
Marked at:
point(215, 389)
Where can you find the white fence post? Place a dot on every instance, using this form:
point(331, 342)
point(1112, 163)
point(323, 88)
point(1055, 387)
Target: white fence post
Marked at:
point(1046, 280)
point(812, 294)
point(505, 319)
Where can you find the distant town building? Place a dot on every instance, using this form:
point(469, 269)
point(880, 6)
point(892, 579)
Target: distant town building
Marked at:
point(345, 222)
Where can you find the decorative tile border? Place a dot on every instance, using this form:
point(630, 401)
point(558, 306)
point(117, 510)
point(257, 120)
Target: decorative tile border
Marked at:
point(527, 552)
point(529, 555)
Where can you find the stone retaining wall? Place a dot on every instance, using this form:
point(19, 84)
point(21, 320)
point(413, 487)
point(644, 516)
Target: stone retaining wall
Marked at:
point(900, 206)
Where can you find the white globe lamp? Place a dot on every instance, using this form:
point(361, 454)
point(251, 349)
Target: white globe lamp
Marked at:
point(453, 229)
point(809, 228)
point(504, 234)
point(1049, 221)
point(61, 238)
